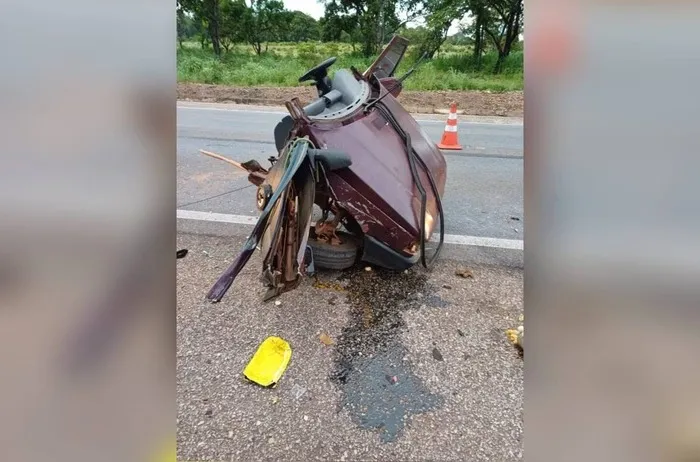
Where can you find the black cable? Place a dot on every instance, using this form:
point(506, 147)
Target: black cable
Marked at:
point(438, 202)
point(412, 155)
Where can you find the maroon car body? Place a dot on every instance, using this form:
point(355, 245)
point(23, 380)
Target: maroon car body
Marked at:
point(371, 166)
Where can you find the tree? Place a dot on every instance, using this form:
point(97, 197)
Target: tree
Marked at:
point(190, 17)
point(337, 26)
point(263, 22)
point(442, 13)
point(375, 20)
point(481, 17)
point(205, 15)
point(299, 27)
point(499, 21)
point(211, 13)
point(505, 29)
point(180, 23)
point(232, 30)
point(415, 35)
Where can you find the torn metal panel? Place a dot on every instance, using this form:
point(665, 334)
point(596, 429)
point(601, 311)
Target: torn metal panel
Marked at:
point(281, 173)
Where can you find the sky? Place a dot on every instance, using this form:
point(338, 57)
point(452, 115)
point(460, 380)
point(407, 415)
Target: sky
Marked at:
point(310, 7)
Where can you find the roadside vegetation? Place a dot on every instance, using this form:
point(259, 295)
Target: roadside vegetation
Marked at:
point(283, 63)
point(260, 43)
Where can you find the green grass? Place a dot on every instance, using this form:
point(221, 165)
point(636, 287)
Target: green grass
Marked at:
point(283, 63)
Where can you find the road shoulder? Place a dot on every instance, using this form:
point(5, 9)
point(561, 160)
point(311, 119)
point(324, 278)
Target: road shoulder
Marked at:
point(478, 103)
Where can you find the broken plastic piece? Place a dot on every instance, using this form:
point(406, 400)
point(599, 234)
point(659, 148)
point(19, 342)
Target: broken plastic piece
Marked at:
point(298, 391)
point(516, 336)
point(269, 362)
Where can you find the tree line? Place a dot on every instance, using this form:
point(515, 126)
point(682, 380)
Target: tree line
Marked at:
point(368, 24)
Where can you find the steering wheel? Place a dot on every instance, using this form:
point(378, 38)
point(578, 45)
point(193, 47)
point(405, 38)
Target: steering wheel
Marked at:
point(319, 75)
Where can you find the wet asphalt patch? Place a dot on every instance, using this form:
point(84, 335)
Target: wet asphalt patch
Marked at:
point(376, 379)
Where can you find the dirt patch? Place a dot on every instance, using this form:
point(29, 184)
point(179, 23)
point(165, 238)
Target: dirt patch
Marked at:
point(476, 103)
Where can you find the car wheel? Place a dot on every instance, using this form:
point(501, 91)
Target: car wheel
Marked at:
point(335, 257)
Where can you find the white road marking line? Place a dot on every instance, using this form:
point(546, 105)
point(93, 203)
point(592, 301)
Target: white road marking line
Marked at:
point(216, 217)
point(456, 239)
point(475, 241)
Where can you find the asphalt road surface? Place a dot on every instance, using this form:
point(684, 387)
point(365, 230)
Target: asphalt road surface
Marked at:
point(483, 196)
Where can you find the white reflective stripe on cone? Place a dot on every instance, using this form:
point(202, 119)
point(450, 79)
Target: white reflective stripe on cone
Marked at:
point(451, 128)
point(452, 116)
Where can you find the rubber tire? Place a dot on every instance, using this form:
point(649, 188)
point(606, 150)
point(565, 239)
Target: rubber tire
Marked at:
point(335, 257)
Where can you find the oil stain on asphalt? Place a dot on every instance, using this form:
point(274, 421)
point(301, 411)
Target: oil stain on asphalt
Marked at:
point(371, 369)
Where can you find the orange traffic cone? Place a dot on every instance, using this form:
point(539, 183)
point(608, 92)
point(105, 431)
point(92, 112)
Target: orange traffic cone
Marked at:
point(449, 136)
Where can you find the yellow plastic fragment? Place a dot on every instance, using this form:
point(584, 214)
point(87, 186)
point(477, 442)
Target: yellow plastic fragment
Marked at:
point(269, 362)
point(512, 335)
point(516, 336)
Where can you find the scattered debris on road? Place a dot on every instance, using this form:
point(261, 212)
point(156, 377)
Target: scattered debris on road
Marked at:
point(298, 391)
point(328, 285)
point(182, 253)
point(269, 362)
point(515, 218)
point(326, 340)
point(437, 355)
point(464, 272)
point(516, 336)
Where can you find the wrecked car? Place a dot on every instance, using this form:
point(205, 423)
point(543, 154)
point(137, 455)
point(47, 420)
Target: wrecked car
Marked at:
point(364, 161)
